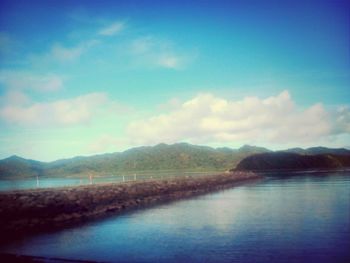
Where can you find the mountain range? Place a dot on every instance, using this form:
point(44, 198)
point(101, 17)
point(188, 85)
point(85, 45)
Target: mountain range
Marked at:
point(161, 157)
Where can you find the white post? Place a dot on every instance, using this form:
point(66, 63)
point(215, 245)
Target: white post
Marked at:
point(90, 179)
point(37, 181)
point(123, 178)
point(134, 169)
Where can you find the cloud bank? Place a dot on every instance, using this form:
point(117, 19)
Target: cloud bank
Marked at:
point(207, 119)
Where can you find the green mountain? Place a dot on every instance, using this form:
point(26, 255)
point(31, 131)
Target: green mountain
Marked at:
point(292, 161)
point(179, 156)
point(175, 157)
point(17, 166)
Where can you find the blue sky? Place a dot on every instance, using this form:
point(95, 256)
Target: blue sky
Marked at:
point(88, 77)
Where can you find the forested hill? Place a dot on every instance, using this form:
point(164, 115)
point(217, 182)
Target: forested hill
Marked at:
point(276, 161)
point(180, 156)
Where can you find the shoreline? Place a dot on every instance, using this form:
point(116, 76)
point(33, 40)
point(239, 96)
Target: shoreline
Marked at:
point(28, 211)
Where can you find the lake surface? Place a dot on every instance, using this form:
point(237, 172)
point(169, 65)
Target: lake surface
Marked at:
point(46, 182)
point(293, 219)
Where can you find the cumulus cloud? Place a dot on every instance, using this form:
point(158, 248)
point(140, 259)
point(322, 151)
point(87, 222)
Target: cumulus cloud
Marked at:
point(20, 80)
point(112, 29)
point(342, 120)
point(207, 118)
point(152, 52)
point(106, 143)
point(74, 111)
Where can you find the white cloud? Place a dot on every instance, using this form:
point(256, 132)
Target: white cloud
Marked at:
point(68, 54)
point(209, 119)
point(62, 54)
point(142, 45)
point(79, 110)
point(21, 80)
point(14, 97)
point(106, 143)
point(342, 120)
point(170, 61)
point(170, 104)
point(112, 29)
point(152, 52)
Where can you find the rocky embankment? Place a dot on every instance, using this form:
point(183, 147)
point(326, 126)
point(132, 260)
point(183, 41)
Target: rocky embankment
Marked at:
point(42, 209)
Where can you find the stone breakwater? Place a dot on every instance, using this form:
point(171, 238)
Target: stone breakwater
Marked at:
point(26, 211)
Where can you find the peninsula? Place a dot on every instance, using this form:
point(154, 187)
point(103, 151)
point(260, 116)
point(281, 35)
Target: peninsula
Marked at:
point(286, 161)
point(26, 211)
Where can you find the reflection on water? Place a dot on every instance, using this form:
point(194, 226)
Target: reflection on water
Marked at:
point(298, 219)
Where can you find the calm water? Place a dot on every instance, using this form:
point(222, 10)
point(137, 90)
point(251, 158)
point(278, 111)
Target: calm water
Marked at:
point(32, 183)
point(295, 219)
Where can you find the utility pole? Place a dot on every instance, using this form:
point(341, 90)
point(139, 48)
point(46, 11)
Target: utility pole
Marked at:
point(134, 171)
point(90, 179)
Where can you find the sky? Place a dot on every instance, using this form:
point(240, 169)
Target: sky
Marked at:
point(90, 77)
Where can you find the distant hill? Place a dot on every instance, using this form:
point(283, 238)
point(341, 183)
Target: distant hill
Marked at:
point(17, 166)
point(292, 161)
point(252, 149)
point(179, 156)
